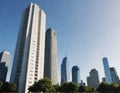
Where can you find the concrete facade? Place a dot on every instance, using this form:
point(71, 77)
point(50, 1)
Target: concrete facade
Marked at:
point(51, 59)
point(28, 64)
point(4, 61)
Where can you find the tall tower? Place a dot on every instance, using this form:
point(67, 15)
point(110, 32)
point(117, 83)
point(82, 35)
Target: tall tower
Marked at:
point(93, 79)
point(4, 61)
point(51, 60)
point(28, 64)
point(76, 74)
point(65, 75)
point(107, 70)
point(114, 75)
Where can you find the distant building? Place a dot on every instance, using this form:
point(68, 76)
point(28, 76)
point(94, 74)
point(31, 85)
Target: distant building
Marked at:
point(76, 74)
point(51, 59)
point(4, 61)
point(115, 78)
point(93, 79)
point(65, 74)
point(28, 64)
point(103, 79)
point(107, 70)
point(82, 83)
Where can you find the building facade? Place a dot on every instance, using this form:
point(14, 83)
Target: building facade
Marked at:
point(93, 79)
point(28, 64)
point(65, 74)
point(115, 78)
point(76, 74)
point(4, 61)
point(51, 59)
point(107, 70)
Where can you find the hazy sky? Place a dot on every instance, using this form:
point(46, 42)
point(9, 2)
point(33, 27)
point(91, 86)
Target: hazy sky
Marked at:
point(87, 30)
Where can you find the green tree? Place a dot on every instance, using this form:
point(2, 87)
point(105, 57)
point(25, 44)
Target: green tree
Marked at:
point(9, 87)
point(1, 84)
point(69, 87)
point(82, 89)
point(13, 87)
point(56, 88)
point(43, 85)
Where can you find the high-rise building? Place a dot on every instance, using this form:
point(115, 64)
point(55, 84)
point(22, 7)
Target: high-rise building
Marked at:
point(28, 64)
point(51, 59)
point(65, 74)
point(93, 79)
point(76, 74)
point(4, 61)
point(107, 70)
point(115, 78)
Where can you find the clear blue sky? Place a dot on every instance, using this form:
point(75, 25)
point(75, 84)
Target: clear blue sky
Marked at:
point(87, 30)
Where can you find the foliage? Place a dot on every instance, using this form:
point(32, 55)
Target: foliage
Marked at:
point(69, 87)
point(9, 87)
point(1, 84)
point(85, 89)
point(55, 88)
point(43, 85)
point(82, 89)
point(105, 87)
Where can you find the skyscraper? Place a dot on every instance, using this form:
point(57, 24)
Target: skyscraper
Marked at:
point(76, 74)
point(28, 64)
point(93, 79)
point(4, 61)
point(107, 70)
point(114, 75)
point(51, 59)
point(65, 75)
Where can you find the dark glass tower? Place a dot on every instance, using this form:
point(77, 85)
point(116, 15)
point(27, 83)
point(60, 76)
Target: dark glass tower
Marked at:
point(65, 75)
point(115, 78)
point(76, 74)
point(107, 70)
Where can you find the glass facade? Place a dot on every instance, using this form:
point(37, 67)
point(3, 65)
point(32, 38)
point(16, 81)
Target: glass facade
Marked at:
point(115, 78)
point(107, 70)
point(65, 76)
point(76, 74)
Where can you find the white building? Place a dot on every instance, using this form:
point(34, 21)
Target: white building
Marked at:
point(4, 61)
point(28, 64)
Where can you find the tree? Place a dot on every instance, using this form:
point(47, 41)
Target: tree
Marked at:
point(43, 85)
point(56, 88)
point(69, 87)
point(9, 87)
point(1, 84)
point(82, 89)
point(13, 87)
point(86, 89)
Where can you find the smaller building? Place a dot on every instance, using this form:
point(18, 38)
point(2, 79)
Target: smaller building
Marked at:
point(115, 78)
point(103, 79)
point(4, 61)
point(65, 75)
point(107, 70)
point(93, 79)
point(76, 75)
point(82, 83)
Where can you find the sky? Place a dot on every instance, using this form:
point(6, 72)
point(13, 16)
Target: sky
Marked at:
point(87, 31)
